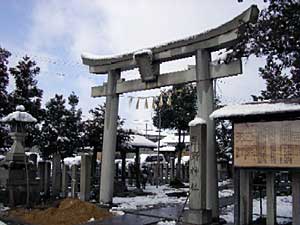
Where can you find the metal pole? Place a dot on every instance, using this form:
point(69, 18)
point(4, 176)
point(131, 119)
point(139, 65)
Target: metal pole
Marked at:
point(158, 148)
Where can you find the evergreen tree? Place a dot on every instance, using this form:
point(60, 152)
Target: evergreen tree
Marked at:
point(93, 137)
point(176, 108)
point(4, 79)
point(53, 137)
point(27, 94)
point(73, 125)
point(275, 37)
point(223, 137)
point(94, 130)
point(224, 140)
point(182, 110)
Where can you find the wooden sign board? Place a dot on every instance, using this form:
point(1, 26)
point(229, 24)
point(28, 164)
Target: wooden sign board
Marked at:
point(267, 144)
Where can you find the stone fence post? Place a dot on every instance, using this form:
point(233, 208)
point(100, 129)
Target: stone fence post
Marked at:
point(56, 175)
point(74, 181)
point(85, 177)
point(65, 181)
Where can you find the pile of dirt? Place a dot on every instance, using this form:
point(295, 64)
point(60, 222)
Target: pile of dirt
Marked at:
point(69, 212)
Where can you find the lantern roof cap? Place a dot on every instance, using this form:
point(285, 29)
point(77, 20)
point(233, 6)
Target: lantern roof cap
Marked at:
point(19, 116)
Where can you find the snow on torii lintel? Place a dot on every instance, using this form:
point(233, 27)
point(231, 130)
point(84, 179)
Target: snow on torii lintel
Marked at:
point(90, 56)
point(143, 52)
point(255, 109)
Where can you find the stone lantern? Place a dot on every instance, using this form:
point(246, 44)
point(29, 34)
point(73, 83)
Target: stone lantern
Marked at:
point(17, 121)
point(18, 176)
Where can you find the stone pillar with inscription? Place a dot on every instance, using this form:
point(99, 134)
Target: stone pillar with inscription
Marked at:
point(197, 213)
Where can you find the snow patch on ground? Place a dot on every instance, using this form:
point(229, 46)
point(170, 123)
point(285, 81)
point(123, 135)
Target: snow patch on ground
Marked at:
point(224, 182)
point(284, 209)
point(145, 202)
point(166, 223)
point(159, 196)
point(226, 193)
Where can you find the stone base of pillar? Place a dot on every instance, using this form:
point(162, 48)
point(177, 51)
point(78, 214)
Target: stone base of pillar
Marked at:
point(197, 217)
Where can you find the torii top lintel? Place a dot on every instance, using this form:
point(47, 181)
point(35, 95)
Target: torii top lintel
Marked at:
point(223, 36)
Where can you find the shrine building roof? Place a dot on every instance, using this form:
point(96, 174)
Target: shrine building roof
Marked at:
point(266, 110)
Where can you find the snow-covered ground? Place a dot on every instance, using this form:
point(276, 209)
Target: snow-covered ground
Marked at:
point(159, 197)
point(164, 223)
point(284, 209)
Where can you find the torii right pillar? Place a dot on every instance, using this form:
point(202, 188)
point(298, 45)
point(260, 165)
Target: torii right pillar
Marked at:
point(205, 102)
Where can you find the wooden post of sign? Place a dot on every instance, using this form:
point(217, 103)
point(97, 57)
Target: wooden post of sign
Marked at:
point(296, 197)
point(236, 187)
point(110, 138)
point(246, 201)
point(271, 198)
point(205, 100)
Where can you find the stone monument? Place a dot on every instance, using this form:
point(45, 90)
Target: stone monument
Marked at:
point(19, 175)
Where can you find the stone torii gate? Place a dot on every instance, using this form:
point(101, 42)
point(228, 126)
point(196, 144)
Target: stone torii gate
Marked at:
point(148, 62)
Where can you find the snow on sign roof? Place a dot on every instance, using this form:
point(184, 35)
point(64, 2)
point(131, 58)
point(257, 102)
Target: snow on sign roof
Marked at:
point(141, 141)
point(255, 109)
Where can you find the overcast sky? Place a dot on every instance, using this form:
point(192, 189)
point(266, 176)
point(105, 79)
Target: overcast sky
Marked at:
point(55, 33)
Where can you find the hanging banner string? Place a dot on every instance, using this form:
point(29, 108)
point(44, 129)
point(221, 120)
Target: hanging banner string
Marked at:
point(148, 99)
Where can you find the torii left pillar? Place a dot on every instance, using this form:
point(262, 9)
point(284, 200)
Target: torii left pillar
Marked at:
point(109, 138)
point(205, 102)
